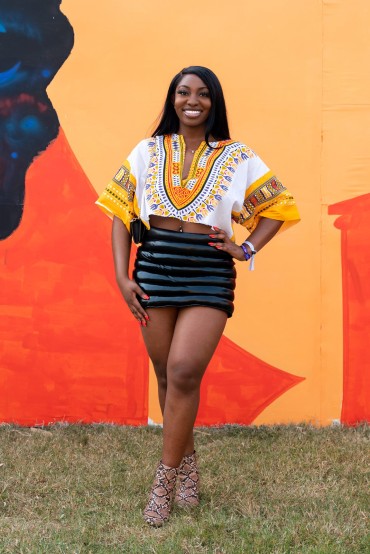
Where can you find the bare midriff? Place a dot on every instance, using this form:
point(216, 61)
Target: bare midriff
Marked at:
point(173, 224)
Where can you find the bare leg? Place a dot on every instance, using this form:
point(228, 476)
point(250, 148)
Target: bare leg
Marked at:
point(196, 335)
point(180, 343)
point(158, 337)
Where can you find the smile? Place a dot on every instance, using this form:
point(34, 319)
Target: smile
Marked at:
point(192, 113)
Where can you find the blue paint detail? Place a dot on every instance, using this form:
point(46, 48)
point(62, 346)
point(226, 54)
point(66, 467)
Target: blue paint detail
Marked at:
point(6, 76)
point(35, 39)
point(30, 124)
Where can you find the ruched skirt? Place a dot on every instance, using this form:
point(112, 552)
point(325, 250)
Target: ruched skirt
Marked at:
point(180, 270)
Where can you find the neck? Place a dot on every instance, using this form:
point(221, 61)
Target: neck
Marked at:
point(192, 134)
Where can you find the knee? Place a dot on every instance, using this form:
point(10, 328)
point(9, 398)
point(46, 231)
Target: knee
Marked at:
point(184, 378)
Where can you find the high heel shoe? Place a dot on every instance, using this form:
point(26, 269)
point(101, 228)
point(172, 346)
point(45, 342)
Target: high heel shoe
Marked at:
point(160, 502)
point(187, 494)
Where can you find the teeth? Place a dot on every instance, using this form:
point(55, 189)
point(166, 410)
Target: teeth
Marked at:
point(192, 112)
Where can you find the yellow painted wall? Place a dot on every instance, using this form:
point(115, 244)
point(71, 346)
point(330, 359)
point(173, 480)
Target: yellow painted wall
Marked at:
point(293, 73)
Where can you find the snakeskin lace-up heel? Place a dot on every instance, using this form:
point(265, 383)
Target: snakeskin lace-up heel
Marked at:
point(187, 494)
point(159, 507)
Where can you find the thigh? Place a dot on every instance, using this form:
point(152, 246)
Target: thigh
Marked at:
point(158, 335)
point(197, 333)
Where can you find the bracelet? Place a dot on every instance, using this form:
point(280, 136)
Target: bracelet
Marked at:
point(247, 255)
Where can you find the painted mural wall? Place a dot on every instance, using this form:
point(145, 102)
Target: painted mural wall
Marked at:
point(80, 85)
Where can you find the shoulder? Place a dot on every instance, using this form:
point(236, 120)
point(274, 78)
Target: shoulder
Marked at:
point(240, 152)
point(243, 149)
point(143, 145)
point(141, 151)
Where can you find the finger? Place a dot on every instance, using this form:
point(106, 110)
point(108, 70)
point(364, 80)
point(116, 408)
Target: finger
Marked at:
point(140, 315)
point(218, 245)
point(137, 290)
point(219, 231)
point(219, 234)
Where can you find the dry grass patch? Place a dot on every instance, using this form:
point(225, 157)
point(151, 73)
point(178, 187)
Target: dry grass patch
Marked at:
point(81, 489)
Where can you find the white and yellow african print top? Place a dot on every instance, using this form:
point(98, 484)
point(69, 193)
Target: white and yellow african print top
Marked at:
point(226, 182)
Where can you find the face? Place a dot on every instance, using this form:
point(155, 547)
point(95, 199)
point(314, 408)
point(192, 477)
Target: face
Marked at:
point(192, 102)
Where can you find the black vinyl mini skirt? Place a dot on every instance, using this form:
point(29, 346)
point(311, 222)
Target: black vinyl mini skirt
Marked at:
point(181, 270)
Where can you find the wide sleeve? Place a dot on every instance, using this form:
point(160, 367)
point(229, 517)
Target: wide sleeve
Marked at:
point(265, 196)
point(119, 197)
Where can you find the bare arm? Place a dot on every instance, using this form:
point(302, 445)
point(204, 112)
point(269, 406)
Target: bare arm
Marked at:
point(263, 233)
point(121, 246)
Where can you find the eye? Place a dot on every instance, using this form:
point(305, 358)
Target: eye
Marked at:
point(182, 92)
point(206, 94)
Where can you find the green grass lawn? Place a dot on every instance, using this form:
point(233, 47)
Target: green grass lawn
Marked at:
point(81, 489)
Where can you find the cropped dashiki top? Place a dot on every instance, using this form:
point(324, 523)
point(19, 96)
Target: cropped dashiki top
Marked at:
point(227, 182)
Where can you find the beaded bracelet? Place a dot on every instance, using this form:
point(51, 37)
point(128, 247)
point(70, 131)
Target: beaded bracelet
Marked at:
point(247, 255)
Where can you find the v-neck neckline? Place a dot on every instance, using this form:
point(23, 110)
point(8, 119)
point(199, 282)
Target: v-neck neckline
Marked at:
point(198, 153)
point(166, 184)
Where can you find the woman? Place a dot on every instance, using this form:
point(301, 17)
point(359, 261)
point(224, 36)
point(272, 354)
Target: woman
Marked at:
point(187, 184)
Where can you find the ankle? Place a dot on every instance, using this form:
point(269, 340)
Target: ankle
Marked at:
point(166, 466)
point(171, 461)
point(189, 453)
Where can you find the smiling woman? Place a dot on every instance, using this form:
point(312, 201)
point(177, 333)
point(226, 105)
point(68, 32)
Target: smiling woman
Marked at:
point(188, 183)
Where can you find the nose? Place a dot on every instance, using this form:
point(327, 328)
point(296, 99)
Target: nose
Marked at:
point(192, 100)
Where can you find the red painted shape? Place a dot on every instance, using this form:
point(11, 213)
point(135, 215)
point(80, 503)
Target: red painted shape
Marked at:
point(354, 224)
point(69, 348)
point(237, 386)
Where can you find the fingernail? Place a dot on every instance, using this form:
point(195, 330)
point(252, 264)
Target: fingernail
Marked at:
point(147, 317)
point(143, 323)
point(146, 297)
point(211, 243)
point(212, 236)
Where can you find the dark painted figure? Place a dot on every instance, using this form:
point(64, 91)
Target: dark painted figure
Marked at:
point(35, 40)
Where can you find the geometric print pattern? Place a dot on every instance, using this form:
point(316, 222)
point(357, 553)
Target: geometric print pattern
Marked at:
point(122, 178)
point(261, 198)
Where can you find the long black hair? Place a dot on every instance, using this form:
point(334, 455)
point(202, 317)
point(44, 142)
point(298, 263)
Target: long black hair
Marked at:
point(216, 124)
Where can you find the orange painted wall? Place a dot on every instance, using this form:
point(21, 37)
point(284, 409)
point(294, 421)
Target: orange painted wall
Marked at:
point(297, 93)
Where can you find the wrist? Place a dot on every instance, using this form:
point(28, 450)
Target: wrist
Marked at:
point(249, 252)
point(251, 247)
point(246, 252)
point(122, 279)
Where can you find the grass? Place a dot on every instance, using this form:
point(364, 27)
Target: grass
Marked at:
point(285, 489)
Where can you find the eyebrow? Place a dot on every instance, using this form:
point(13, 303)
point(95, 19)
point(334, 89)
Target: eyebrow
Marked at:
point(185, 86)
